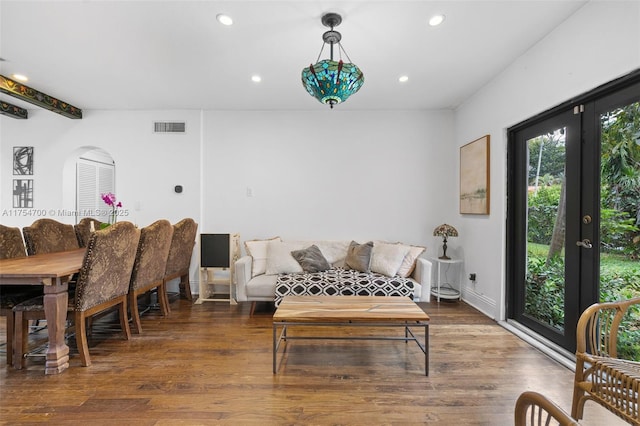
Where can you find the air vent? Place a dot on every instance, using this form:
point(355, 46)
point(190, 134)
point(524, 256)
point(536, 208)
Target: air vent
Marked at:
point(169, 127)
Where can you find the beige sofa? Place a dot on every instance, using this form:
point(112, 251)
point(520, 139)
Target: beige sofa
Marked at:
point(257, 272)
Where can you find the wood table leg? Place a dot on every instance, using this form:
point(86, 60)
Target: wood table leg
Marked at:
point(55, 311)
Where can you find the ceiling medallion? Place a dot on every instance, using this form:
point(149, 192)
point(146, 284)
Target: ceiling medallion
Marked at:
point(329, 81)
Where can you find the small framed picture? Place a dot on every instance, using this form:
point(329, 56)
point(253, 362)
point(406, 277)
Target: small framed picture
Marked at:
point(22, 160)
point(474, 177)
point(22, 193)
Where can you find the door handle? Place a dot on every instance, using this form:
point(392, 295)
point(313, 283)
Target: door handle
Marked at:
point(586, 243)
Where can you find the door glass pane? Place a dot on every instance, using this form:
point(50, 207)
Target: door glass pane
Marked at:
point(620, 217)
point(545, 275)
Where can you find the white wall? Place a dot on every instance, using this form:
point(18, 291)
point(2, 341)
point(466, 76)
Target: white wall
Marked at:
point(327, 175)
point(598, 44)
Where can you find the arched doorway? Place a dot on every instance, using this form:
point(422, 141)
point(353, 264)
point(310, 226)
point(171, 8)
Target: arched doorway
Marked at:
point(88, 173)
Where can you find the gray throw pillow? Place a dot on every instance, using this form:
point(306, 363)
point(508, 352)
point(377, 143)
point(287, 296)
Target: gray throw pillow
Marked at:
point(359, 256)
point(311, 259)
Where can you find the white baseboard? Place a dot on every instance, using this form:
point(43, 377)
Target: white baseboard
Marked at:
point(481, 302)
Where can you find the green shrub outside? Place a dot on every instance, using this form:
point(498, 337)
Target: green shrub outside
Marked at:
point(619, 280)
point(544, 293)
point(543, 208)
point(617, 227)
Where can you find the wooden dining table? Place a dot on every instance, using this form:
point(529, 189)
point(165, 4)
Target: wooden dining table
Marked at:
point(52, 271)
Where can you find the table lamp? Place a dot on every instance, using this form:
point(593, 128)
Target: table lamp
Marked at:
point(445, 231)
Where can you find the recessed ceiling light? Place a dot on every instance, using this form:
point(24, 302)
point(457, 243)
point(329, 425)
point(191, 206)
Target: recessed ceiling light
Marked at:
point(224, 19)
point(403, 78)
point(436, 20)
point(20, 77)
point(256, 78)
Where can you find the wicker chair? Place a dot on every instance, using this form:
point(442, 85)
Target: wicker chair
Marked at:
point(180, 252)
point(149, 267)
point(83, 229)
point(12, 246)
point(103, 283)
point(49, 236)
point(600, 375)
point(536, 409)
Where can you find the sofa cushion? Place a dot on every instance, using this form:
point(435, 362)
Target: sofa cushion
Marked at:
point(359, 256)
point(280, 260)
point(311, 259)
point(409, 261)
point(386, 258)
point(257, 249)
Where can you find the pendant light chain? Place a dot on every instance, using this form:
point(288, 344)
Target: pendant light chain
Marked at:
point(345, 53)
point(320, 54)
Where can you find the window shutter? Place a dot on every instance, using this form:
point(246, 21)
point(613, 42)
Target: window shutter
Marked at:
point(92, 179)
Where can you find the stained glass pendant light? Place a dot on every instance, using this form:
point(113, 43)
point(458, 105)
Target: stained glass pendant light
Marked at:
point(329, 81)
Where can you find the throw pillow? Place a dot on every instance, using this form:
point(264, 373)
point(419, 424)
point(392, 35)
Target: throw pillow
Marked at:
point(311, 259)
point(333, 250)
point(387, 258)
point(280, 260)
point(409, 261)
point(359, 256)
point(257, 249)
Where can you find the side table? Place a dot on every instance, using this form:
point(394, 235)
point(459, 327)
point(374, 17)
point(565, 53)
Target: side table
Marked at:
point(445, 290)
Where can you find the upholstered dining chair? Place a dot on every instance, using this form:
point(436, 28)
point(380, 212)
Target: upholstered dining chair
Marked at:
point(12, 246)
point(180, 252)
point(149, 267)
point(49, 236)
point(103, 283)
point(535, 409)
point(83, 229)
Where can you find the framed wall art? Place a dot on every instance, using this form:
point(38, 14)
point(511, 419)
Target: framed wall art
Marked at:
point(23, 193)
point(22, 160)
point(474, 177)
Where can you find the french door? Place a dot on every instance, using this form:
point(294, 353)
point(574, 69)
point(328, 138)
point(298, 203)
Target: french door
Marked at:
point(573, 200)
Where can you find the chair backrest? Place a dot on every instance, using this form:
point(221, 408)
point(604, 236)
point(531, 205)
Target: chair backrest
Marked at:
point(83, 229)
point(11, 244)
point(49, 236)
point(151, 257)
point(182, 243)
point(597, 330)
point(107, 265)
point(533, 408)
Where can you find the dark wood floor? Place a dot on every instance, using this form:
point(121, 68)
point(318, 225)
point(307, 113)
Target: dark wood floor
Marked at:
point(212, 363)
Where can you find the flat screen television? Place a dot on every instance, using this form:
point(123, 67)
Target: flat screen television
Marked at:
point(214, 250)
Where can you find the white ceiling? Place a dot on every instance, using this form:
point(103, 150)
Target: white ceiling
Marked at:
point(153, 54)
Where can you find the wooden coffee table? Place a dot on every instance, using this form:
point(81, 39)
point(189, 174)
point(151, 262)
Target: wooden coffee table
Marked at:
point(350, 311)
